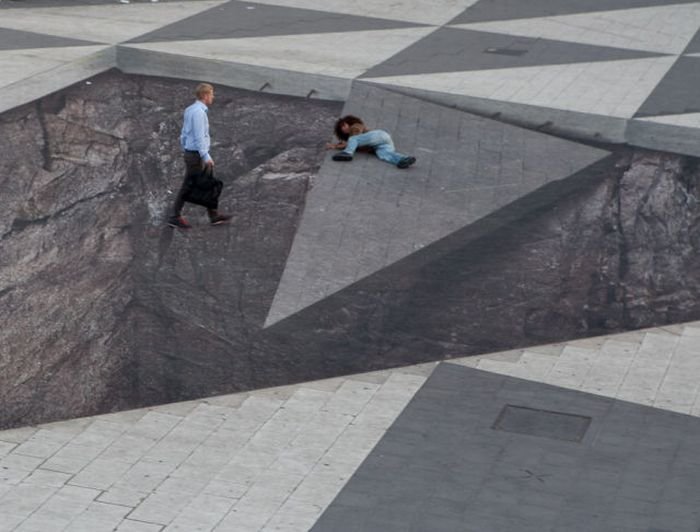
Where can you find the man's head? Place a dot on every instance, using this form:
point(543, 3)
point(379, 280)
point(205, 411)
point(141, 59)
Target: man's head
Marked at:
point(342, 126)
point(205, 93)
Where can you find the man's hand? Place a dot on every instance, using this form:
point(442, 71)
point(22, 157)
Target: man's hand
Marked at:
point(210, 162)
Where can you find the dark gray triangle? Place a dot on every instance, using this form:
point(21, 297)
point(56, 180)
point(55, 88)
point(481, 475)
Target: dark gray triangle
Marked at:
point(677, 93)
point(694, 45)
point(244, 19)
point(459, 50)
point(472, 443)
point(490, 10)
point(18, 40)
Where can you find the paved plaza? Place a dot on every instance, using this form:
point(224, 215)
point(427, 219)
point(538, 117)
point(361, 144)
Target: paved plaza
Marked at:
point(598, 434)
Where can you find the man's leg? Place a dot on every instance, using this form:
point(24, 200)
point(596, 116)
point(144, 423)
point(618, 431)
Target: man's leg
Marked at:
point(371, 138)
point(193, 165)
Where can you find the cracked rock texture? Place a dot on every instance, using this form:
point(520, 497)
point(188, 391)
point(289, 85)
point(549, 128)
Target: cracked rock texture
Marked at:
point(85, 181)
point(102, 308)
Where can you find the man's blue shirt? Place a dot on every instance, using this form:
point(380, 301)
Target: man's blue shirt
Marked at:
point(195, 130)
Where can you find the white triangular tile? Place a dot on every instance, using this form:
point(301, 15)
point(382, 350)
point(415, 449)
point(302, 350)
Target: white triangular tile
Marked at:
point(102, 23)
point(610, 88)
point(663, 29)
point(420, 11)
point(682, 120)
point(348, 55)
point(17, 65)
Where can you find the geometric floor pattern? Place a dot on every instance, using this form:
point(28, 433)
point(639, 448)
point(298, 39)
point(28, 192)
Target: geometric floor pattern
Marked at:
point(277, 459)
point(603, 58)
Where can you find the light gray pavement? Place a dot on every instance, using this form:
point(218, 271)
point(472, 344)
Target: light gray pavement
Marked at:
point(275, 459)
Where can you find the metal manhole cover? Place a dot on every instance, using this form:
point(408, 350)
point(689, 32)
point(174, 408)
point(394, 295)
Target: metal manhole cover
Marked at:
point(505, 51)
point(543, 423)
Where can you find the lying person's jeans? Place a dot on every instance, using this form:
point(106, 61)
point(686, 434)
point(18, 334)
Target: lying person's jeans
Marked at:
point(378, 139)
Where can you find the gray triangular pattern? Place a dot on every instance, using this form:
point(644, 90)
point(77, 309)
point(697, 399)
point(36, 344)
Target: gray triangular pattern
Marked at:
point(677, 92)
point(644, 28)
point(18, 40)
point(244, 19)
point(460, 50)
point(471, 442)
point(491, 10)
point(694, 45)
point(364, 216)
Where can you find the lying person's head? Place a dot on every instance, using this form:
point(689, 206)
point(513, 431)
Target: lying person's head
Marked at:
point(344, 127)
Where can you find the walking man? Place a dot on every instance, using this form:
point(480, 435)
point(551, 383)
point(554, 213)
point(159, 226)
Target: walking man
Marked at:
point(195, 143)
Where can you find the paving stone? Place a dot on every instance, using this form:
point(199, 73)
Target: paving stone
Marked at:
point(99, 517)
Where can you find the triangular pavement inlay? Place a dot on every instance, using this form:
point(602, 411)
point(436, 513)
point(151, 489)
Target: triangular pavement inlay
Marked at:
point(17, 40)
point(694, 45)
point(366, 215)
point(608, 88)
point(244, 19)
point(458, 50)
point(677, 92)
point(491, 10)
point(307, 53)
point(645, 28)
point(103, 23)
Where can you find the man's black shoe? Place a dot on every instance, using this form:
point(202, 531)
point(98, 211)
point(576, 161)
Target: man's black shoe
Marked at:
point(342, 156)
point(406, 162)
point(220, 219)
point(179, 222)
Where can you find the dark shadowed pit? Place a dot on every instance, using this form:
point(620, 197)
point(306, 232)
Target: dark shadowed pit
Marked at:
point(103, 308)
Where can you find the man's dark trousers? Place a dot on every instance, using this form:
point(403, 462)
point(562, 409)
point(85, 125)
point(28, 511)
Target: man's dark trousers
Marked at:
point(193, 167)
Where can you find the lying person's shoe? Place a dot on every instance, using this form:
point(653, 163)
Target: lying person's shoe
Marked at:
point(179, 222)
point(406, 162)
point(342, 156)
point(220, 219)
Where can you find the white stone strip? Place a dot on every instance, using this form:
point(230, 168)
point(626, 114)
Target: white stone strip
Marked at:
point(655, 367)
point(420, 11)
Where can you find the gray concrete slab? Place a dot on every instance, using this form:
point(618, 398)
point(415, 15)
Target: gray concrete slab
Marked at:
point(444, 465)
point(17, 40)
point(676, 93)
point(488, 10)
point(364, 216)
point(694, 45)
point(455, 50)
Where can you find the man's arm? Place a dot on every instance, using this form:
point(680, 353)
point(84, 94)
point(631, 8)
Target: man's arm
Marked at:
point(201, 140)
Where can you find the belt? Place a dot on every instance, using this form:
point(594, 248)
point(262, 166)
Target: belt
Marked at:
point(192, 151)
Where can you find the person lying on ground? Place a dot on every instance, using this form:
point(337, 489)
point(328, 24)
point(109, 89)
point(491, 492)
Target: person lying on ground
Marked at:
point(352, 135)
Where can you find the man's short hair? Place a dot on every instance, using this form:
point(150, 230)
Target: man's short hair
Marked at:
point(202, 89)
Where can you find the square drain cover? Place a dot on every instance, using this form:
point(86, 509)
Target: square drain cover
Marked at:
point(505, 51)
point(543, 423)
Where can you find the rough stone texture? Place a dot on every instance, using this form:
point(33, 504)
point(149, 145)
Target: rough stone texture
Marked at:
point(84, 180)
point(102, 308)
